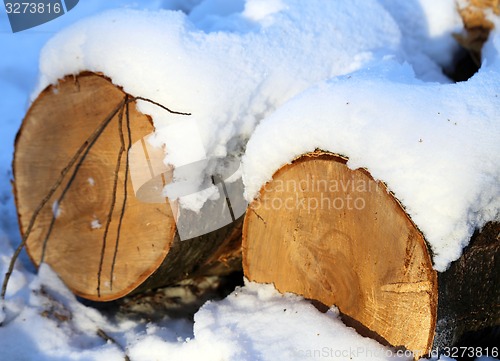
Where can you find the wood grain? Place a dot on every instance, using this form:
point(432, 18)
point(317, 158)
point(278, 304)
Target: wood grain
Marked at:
point(343, 240)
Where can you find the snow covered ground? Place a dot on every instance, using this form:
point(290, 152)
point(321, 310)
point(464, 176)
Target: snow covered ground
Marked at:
point(244, 60)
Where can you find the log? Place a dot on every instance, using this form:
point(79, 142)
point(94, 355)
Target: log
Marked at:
point(469, 291)
point(74, 163)
point(338, 237)
point(477, 26)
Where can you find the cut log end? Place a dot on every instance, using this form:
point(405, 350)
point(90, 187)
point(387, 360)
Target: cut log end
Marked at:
point(343, 240)
point(337, 237)
point(73, 181)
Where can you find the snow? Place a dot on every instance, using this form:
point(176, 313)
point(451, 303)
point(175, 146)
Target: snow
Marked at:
point(426, 26)
point(229, 69)
point(56, 210)
point(234, 64)
point(95, 224)
point(436, 146)
point(266, 324)
point(255, 322)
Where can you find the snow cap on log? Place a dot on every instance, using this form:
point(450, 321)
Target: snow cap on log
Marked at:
point(436, 146)
point(229, 73)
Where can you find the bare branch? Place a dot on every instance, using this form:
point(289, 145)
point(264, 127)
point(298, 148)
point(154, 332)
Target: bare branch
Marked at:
point(159, 105)
point(108, 338)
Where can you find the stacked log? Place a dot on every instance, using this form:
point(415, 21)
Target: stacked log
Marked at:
point(338, 237)
point(79, 210)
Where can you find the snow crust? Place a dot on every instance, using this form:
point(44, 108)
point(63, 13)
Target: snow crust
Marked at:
point(230, 66)
point(255, 322)
point(268, 321)
point(426, 26)
point(436, 146)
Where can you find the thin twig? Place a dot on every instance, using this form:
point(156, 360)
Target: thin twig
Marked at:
point(113, 200)
point(51, 192)
point(159, 105)
point(125, 194)
point(102, 334)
